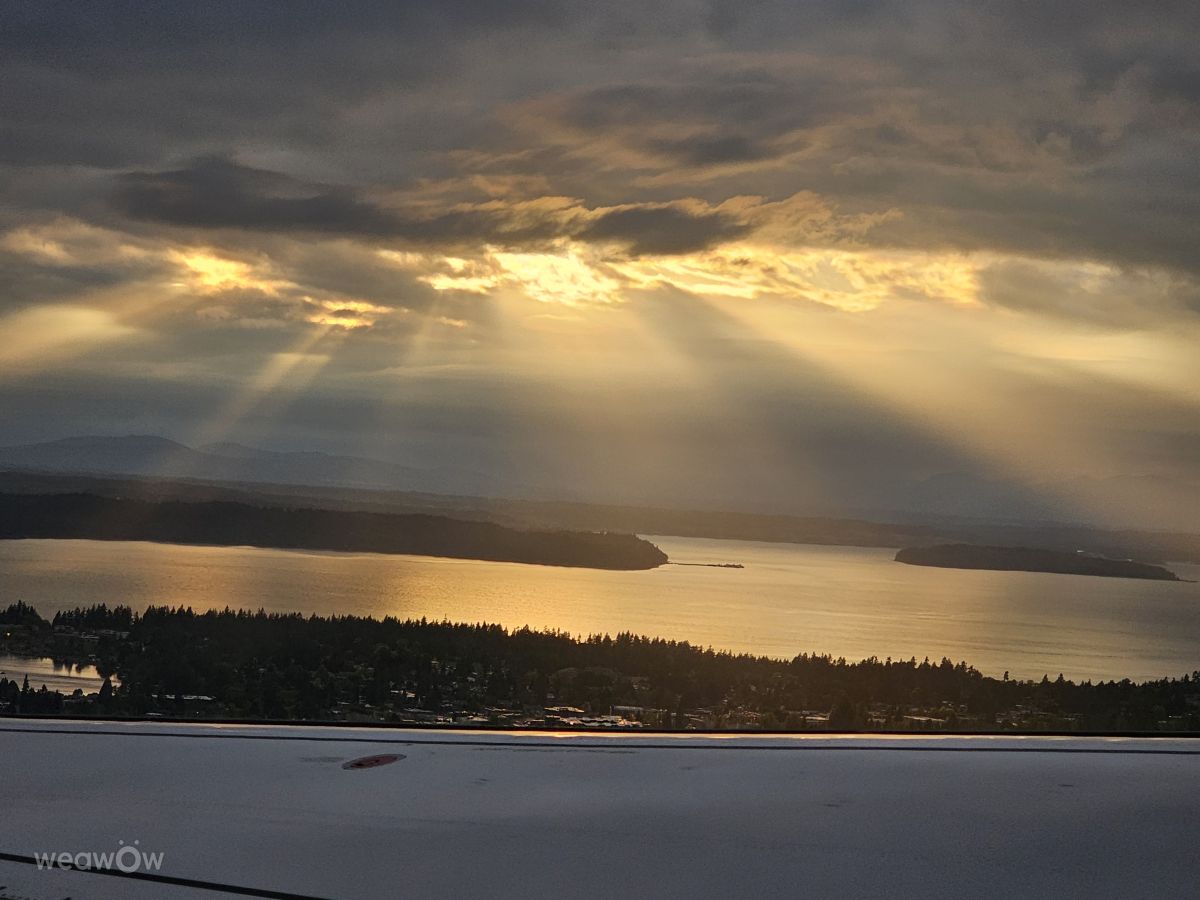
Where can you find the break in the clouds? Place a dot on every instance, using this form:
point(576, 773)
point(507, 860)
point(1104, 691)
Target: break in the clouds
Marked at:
point(937, 208)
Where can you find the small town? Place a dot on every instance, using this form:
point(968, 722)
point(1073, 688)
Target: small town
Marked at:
point(111, 662)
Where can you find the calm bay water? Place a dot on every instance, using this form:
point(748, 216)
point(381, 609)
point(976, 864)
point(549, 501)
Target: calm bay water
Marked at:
point(45, 672)
point(847, 601)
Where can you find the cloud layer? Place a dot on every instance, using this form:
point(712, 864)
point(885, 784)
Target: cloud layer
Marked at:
point(431, 195)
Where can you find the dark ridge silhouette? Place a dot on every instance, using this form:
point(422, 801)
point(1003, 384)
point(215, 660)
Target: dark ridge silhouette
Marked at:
point(546, 515)
point(1027, 559)
point(237, 524)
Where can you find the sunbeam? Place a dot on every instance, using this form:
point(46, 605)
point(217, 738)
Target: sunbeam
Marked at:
point(287, 372)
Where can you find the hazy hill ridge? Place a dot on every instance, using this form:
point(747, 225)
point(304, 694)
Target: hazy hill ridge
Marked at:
point(149, 455)
point(1141, 502)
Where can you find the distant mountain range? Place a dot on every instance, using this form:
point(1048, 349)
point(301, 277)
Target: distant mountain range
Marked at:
point(151, 456)
point(1126, 501)
point(881, 530)
point(1142, 502)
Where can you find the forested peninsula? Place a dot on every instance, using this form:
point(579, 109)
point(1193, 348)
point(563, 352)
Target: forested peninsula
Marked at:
point(239, 524)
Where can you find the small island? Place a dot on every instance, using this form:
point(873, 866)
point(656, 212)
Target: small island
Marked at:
point(1028, 559)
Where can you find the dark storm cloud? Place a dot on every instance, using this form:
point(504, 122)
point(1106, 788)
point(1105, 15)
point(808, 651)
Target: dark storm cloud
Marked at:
point(1038, 129)
point(214, 193)
point(219, 194)
point(23, 283)
point(117, 84)
point(36, 267)
point(723, 117)
point(709, 150)
point(663, 230)
point(1129, 299)
point(344, 268)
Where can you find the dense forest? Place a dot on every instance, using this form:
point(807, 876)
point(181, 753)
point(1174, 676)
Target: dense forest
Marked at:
point(243, 524)
point(238, 664)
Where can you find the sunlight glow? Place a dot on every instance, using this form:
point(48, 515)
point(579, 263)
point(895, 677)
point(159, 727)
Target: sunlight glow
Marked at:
point(849, 280)
point(568, 277)
point(853, 281)
point(346, 313)
point(289, 371)
point(35, 337)
point(992, 416)
point(208, 272)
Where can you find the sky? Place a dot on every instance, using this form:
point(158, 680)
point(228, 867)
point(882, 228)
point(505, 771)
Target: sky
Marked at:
point(802, 257)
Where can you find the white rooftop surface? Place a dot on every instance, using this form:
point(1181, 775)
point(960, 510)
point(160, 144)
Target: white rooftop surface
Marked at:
point(499, 815)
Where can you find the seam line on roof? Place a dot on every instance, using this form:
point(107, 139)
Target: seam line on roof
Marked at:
point(612, 744)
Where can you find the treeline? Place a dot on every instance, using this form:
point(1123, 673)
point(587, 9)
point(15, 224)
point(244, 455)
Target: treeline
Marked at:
point(241, 524)
point(271, 666)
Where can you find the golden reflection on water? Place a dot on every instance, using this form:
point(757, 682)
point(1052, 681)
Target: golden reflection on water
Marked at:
point(789, 599)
